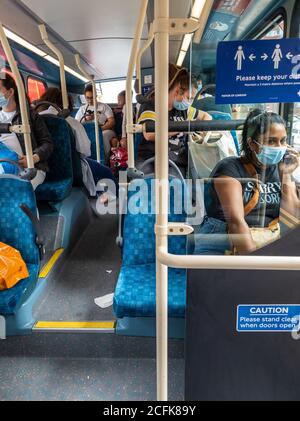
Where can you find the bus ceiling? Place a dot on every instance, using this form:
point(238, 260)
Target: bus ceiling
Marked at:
point(102, 39)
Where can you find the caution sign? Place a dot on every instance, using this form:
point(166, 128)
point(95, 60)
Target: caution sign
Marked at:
point(251, 72)
point(268, 318)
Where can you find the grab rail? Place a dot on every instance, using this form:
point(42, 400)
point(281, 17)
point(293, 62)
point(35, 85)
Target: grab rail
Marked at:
point(131, 66)
point(58, 53)
point(92, 80)
point(25, 127)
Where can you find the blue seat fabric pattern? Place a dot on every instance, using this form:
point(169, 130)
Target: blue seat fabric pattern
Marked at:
point(17, 231)
point(135, 291)
point(59, 179)
point(90, 131)
point(135, 295)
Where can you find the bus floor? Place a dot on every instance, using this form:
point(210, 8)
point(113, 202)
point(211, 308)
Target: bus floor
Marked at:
point(90, 271)
point(80, 366)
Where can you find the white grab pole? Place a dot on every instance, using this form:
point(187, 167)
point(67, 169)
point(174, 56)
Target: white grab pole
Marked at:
point(92, 80)
point(131, 66)
point(57, 52)
point(162, 191)
point(22, 97)
point(139, 57)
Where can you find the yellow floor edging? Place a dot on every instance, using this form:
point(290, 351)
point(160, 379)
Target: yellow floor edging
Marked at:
point(75, 325)
point(49, 266)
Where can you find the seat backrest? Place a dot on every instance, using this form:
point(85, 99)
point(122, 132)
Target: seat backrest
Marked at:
point(90, 131)
point(76, 162)
point(60, 162)
point(139, 236)
point(16, 229)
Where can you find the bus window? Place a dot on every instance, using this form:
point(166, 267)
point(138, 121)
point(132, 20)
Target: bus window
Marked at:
point(295, 138)
point(276, 30)
point(35, 88)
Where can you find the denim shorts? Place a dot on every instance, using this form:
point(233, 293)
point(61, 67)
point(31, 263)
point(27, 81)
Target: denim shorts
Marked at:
point(211, 238)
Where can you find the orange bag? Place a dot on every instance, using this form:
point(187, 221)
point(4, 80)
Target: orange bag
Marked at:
point(12, 267)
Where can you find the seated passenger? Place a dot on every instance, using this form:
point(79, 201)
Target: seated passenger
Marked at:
point(178, 111)
point(41, 141)
point(244, 195)
point(119, 155)
point(105, 118)
point(120, 112)
point(93, 171)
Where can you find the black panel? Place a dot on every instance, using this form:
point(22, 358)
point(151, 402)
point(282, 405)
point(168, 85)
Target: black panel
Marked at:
point(222, 364)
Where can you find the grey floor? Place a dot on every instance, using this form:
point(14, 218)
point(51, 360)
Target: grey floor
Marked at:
point(83, 367)
point(91, 271)
point(106, 379)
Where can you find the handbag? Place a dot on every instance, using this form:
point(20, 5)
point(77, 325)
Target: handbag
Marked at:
point(12, 267)
point(213, 149)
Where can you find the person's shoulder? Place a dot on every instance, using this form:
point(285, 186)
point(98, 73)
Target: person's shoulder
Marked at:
point(230, 166)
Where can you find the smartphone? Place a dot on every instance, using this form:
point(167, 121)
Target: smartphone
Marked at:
point(288, 158)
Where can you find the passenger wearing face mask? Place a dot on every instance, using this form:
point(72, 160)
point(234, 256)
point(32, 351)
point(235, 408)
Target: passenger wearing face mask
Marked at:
point(244, 195)
point(178, 87)
point(42, 144)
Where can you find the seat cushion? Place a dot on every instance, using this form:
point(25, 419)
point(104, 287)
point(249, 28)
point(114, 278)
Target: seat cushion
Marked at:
point(135, 294)
point(55, 191)
point(11, 299)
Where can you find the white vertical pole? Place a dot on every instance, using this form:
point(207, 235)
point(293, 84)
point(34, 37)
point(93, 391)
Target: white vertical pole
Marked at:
point(22, 96)
point(162, 191)
point(92, 80)
point(57, 52)
point(131, 66)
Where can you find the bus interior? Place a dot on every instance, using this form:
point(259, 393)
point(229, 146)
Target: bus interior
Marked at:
point(83, 325)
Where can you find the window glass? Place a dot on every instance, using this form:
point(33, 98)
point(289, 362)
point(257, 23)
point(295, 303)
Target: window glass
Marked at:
point(35, 88)
point(295, 135)
point(111, 90)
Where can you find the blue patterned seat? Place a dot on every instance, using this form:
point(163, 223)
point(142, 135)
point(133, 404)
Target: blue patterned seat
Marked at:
point(17, 231)
point(90, 131)
point(59, 179)
point(135, 291)
point(135, 295)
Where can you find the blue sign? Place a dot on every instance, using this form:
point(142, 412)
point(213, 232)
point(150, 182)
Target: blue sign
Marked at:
point(252, 72)
point(268, 318)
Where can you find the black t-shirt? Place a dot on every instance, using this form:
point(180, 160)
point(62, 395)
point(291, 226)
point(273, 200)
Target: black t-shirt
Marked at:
point(268, 207)
point(147, 113)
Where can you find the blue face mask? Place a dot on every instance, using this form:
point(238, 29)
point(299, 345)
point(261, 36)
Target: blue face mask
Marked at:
point(182, 106)
point(3, 101)
point(271, 155)
point(200, 86)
